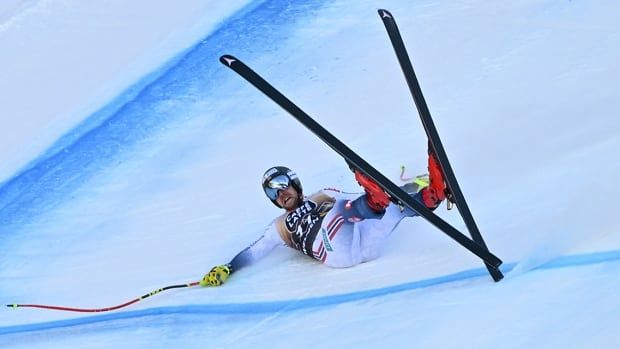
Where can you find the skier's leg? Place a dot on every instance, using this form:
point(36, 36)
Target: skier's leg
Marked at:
point(374, 232)
point(337, 243)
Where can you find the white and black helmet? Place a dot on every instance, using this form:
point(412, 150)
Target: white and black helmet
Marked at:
point(279, 178)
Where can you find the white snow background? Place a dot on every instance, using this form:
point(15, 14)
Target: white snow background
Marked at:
point(131, 159)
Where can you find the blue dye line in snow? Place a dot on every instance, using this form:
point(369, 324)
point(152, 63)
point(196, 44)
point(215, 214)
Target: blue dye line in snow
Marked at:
point(306, 303)
point(178, 91)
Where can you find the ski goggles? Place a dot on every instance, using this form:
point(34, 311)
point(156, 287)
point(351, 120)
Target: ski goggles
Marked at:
point(275, 185)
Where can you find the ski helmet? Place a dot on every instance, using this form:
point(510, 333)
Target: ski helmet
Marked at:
point(279, 178)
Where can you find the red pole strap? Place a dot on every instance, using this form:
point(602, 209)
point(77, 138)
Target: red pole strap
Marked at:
point(98, 310)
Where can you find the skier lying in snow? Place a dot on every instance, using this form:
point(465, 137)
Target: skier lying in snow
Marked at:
point(329, 226)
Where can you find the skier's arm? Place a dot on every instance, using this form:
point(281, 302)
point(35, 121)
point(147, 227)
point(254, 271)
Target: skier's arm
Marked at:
point(260, 248)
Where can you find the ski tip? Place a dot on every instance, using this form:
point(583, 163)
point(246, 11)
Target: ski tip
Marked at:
point(228, 60)
point(385, 13)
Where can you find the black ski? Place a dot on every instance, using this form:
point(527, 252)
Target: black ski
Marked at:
point(433, 136)
point(397, 194)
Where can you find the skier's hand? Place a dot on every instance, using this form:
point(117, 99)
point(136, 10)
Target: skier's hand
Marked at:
point(217, 276)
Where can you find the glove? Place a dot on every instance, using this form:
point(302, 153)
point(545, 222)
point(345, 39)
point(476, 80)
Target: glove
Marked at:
point(217, 276)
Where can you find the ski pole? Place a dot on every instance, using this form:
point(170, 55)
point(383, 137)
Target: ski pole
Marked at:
point(421, 180)
point(98, 310)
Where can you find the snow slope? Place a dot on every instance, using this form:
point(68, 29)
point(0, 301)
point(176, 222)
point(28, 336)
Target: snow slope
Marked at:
point(151, 168)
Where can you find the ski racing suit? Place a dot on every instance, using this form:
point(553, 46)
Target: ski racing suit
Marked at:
point(334, 228)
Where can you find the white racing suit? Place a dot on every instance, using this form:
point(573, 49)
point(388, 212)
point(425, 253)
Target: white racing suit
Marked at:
point(330, 227)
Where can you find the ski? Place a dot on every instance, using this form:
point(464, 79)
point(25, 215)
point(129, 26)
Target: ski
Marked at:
point(456, 195)
point(397, 194)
